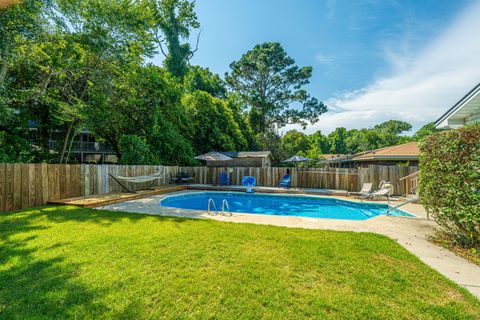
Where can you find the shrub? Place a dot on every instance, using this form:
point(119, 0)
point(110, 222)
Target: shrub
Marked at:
point(450, 182)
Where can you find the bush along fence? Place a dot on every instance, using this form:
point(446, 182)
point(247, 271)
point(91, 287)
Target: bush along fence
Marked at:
point(450, 183)
point(28, 185)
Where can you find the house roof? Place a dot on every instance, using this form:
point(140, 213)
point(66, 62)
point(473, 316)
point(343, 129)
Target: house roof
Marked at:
point(406, 151)
point(465, 111)
point(327, 156)
point(247, 154)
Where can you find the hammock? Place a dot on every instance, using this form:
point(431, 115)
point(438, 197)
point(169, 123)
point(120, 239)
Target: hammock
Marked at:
point(137, 179)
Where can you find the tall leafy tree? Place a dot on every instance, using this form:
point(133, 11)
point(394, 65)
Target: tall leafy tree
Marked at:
point(141, 106)
point(272, 87)
point(98, 34)
point(295, 142)
point(19, 22)
point(213, 123)
point(338, 140)
point(425, 131)
point(198, 78)
point(172, 24)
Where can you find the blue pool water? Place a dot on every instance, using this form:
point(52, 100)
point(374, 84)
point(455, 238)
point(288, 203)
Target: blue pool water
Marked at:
point(302, 206)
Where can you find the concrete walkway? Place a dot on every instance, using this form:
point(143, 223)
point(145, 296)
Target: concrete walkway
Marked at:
point(411, 233)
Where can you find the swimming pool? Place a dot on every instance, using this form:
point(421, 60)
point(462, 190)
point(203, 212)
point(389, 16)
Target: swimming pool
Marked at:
point(281, 205)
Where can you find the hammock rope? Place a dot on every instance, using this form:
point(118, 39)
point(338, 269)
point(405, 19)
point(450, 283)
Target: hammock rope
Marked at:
point(137, 179)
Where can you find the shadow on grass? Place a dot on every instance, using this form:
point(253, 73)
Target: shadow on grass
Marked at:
point(39, 281)
point(34, 286)
point(62, 214)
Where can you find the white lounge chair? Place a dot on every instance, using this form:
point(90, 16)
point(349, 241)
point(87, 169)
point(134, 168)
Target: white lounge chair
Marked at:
point(366, 189)
point(377, 194)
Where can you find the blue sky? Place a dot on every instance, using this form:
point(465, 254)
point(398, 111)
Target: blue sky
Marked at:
point(372, 60)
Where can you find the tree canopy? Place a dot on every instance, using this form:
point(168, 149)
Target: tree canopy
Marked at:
point(68, 67)
point(272, 87)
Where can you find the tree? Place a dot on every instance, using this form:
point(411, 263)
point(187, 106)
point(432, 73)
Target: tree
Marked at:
point(271, 141)
point(172, 21)
point(390, 132)
point(214, 126)
point(295, 142)
point(425, 131)
point(135, 150)
point(145, 102)
point(98, 35)
point(235, 103)
point(198, 78)
point(18, 23)
point(337, 140)
point(319, 145)
point(270, 83)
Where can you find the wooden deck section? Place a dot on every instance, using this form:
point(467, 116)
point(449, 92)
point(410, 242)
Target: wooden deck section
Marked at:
point(114, 197)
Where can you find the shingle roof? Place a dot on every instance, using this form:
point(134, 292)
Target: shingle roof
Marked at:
point(409, 149)
point(247, 154)
point(406, 151)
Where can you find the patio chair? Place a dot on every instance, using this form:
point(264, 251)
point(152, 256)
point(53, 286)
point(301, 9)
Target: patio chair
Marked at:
point(224, 179)
point(366, 189)
point(385, 193)
point(285, 182)
point(249, 182)
point(184, 177)
point(174, 179)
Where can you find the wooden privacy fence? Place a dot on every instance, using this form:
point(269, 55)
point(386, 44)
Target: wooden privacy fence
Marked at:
point(28, 185)
point(315, 178)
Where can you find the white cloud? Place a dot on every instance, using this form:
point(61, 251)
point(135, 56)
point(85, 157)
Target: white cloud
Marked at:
point(422, 87)
point(324, 59)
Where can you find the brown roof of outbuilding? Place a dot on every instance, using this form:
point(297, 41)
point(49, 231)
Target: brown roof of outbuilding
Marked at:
point(409, 149)
point(405, 151)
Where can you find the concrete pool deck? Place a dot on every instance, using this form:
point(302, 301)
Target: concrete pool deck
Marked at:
point(411, 233)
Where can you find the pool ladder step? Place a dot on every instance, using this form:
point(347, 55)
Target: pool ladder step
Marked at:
point(211, 203)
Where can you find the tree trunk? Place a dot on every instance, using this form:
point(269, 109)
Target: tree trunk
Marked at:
point(65, 142)
point(70, 147)
point(3, 70)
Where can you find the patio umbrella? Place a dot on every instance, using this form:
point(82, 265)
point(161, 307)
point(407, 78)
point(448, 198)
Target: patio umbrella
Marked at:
point(213, 156)
point(295, 160)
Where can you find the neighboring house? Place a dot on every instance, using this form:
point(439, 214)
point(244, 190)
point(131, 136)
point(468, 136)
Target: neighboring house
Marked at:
point(328, 156)
point(245, 159)
point(388, 156)
point(85, 148)
point(465, 111)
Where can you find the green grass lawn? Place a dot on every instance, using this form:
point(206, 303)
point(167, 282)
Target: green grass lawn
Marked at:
point(65, 262)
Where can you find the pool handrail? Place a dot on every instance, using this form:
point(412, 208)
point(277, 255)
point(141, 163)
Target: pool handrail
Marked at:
point(214, 206)
point(225, 203)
